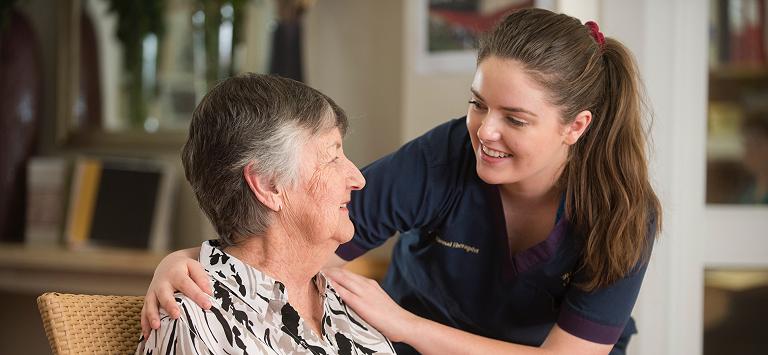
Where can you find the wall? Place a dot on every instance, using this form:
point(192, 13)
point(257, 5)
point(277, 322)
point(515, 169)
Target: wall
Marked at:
point(430, 95)
point(363, 55)
point(353, 54)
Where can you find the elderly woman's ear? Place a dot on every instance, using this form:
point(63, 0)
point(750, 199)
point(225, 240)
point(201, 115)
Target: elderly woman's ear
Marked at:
point(263, 188)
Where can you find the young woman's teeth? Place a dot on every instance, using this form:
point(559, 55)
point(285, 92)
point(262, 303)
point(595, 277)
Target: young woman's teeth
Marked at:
point(494, 153)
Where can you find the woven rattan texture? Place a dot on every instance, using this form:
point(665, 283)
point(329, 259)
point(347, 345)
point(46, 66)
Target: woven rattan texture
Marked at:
point(87, 324)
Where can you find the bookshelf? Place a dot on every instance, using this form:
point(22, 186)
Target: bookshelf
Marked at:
point(737, 94)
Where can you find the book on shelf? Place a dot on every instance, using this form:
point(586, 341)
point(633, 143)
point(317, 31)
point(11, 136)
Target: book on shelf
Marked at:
point(85, 178)
point(120, 202)
point(47, 189)
point(738, 34)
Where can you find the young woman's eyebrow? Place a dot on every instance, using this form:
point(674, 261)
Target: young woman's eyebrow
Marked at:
point(505, 108)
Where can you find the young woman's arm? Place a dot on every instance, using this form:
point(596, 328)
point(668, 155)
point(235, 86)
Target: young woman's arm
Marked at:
point(367, 298)
point(177, 271)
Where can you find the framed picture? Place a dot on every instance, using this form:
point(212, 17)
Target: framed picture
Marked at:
point(119, 202)
point(448, 30)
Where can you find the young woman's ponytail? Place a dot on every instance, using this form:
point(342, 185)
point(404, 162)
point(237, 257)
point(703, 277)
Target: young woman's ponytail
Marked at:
point(612, 203)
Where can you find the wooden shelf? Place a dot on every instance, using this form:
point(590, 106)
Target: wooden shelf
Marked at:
point(98, 271)
point(36, 270)
point(739, 73)
point(118, 261)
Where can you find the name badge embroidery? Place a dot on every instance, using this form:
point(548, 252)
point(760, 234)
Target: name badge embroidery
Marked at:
point(457, 245)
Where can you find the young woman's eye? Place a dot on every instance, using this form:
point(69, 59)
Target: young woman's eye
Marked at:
point(516, 122)
point(476, 105)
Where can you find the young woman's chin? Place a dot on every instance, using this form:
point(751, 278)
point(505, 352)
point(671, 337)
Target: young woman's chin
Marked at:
point(496, 176)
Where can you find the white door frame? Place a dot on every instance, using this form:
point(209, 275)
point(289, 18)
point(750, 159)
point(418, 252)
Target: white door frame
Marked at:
point(669, 39)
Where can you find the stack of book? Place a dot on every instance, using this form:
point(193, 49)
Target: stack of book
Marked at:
point(738, 34)
point(90, 201)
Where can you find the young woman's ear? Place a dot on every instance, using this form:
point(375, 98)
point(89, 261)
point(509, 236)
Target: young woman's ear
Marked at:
point(577, 128)
point(263, 188)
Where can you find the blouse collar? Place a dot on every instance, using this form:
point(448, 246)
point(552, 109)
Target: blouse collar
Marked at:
point(249, 283)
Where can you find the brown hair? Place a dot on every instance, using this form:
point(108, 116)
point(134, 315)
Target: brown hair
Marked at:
point(250, 119)
point(610, 201)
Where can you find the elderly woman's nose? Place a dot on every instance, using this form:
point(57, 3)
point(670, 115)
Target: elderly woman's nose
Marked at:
point(356, 178)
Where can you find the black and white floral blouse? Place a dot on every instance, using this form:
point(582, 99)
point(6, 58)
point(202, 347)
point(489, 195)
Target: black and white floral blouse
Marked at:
point(251, 314)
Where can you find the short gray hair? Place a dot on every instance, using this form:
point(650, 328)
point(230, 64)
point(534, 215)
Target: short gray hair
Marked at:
point(250, 118)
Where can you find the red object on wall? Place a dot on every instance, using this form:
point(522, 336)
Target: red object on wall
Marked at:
point(20, 93)
point(475, 22)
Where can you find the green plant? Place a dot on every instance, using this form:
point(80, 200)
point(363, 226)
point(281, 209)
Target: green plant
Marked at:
point(213, 19)
point(135, 20)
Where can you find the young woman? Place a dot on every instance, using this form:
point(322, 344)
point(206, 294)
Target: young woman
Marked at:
point(526, 226)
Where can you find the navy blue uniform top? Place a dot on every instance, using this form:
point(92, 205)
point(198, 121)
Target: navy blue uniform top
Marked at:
point(452, 262)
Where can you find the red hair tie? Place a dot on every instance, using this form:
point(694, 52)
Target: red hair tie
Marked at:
point(594, 30)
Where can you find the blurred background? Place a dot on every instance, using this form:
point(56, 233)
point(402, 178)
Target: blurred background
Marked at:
point(96, 96)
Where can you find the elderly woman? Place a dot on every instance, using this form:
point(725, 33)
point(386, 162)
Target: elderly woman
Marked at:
point(265, 160)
